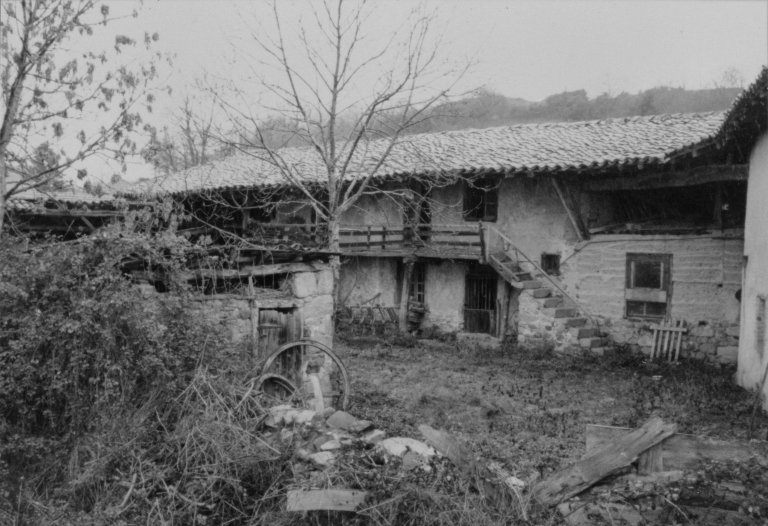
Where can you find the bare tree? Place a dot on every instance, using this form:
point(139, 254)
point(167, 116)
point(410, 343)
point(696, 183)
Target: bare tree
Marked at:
point(50, 92)
point(347, 102)
point(188, 141)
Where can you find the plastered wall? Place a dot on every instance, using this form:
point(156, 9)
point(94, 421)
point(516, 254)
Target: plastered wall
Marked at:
point(753, 357)
point(364, 277)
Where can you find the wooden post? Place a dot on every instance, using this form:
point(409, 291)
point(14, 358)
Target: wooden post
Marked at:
point(369, 237)
point(383, 238)
point(718, 206)
point(573, 214)
point(405, 295)
point(254, 320)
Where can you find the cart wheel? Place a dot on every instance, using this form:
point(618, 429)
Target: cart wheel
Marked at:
point(297, 362)
point(276, 386)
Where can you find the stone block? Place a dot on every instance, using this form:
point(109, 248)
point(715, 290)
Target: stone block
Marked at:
point(732, 331)
point(576, 322)
point(560, 312)
point(325, 282)
point(552, 302)
point(245, 314)
point(590, 343)
point(482, 341)
point(541, 293)
point(646, 340)
point(304, 284)
point(341, 420)
point(704, 331)
point(727, 354)
point(707, 348)
point(586, 332)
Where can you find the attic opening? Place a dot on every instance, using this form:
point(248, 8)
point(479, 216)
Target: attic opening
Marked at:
point(720, 205)
point(481, 200)
point(550, 263)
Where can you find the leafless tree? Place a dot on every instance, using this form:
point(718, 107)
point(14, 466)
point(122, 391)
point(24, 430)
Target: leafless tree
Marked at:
point(51, 91)
point(347, 102)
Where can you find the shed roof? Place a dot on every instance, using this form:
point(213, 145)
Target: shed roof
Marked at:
point(551, 147)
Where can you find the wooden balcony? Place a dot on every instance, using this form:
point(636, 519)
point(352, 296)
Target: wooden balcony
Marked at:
point(449, 241)
point(445, 241)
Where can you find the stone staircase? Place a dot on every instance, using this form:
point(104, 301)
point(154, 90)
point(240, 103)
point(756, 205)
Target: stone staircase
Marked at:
point(544, 313)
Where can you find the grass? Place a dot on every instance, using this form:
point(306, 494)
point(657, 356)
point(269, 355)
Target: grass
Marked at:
point(527, 409)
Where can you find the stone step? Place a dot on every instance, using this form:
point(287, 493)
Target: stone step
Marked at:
point(590, 343)
point(532, 284)
point(541, 293)
point(560, 312)
point(576, 322)
point(548, 303)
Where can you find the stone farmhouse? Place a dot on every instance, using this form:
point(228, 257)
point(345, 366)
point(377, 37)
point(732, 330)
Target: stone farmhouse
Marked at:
point(570, 234)
point(567, 234)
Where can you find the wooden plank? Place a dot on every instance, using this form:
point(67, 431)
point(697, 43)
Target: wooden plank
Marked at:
point(679, 340)
point(260, 270)
point(405, 295)
point(650, 461)
point(572, 210)
point(601, 462)
point(682, 452)
point(694, 176)
point(325, 499)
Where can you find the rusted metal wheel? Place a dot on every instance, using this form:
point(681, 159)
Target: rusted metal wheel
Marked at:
point(313, 368)
point(276, 386)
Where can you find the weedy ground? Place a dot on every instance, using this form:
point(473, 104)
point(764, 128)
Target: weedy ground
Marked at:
point(528, 408)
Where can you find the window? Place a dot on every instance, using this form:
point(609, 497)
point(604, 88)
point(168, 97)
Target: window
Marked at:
point(550, 263)
point(481, 200)
point(647, 286)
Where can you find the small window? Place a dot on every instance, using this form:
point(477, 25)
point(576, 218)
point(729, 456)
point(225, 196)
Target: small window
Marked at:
point(550, 263)
point(481, 200)
point(647, 285)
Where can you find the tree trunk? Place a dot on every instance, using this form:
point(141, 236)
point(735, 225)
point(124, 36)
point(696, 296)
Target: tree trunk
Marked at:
point(333, 246)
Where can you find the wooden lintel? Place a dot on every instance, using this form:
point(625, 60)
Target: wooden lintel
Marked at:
point(693, 176)
point(405, 295)
point(571, 209)
point(69, 213)
point(260, 270)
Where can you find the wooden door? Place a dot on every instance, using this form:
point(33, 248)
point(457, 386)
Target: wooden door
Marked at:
point(276, 327)
point(480, 300)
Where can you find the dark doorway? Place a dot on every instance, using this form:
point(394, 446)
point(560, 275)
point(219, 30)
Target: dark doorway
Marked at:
point(480, 300)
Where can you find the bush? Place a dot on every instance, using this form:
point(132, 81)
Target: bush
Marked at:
point(81, 348)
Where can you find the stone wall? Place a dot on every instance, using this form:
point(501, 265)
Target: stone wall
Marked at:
point(310, 297)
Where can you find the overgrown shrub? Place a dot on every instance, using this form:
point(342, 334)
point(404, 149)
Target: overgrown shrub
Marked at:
point(81, 347)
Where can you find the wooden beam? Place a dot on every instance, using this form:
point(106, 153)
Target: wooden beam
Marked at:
point(684, 452)
point(263, 270)
point(70, 213)
point(572, 210)
point(693, 176)
point(325, 499)
point(405, 295)
point(601, 462)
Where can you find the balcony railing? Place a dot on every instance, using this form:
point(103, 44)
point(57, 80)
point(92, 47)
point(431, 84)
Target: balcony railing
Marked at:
point(356, 239)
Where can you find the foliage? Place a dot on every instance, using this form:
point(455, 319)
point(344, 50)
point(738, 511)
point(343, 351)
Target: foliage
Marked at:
point(60, 106)
point(79, 344)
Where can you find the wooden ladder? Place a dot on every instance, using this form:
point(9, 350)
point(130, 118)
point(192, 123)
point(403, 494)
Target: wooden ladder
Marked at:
point(667, 338)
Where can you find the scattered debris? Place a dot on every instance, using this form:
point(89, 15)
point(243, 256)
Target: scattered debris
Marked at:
point(325, 499)
point(602, 462)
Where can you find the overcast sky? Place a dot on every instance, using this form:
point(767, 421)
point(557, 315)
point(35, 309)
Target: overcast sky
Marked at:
point(521, 49)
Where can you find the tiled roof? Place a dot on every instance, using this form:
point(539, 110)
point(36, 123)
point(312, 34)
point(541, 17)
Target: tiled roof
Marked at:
point(551, 147)
point(31, 199)
point(746, 119)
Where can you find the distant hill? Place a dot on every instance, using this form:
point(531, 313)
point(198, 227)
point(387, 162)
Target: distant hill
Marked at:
point(487, 108)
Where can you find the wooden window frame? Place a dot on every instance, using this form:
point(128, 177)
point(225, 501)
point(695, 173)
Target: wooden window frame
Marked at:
point(418, 286)
point(486, 193)
point(643, 295)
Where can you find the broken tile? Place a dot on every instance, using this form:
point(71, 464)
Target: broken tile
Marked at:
point(361, 426)
point(412, 460)
point(330, 445)
point(322, 459)
point(341, 420)
point(399, 446)
point(375, 436)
